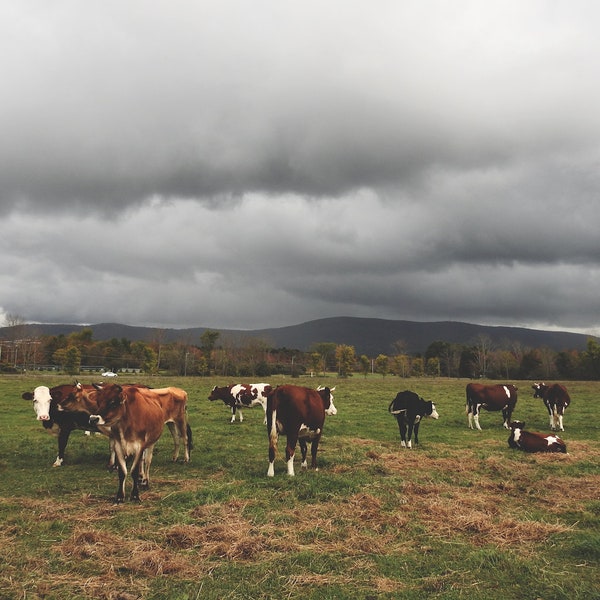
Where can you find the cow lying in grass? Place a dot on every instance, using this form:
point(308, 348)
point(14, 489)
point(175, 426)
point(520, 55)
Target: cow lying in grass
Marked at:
point(533, 442)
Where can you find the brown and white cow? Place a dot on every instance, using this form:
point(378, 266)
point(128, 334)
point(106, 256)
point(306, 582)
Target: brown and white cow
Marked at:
point(533, 442)
point(556, 399)
point(409, 408)
point(134, 421)
point(172, 399)
point(491, 397)
point(54, 419)
point(298, 413)
point(242, 395)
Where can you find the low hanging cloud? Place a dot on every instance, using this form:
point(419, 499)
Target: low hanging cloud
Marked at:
point(231, 165)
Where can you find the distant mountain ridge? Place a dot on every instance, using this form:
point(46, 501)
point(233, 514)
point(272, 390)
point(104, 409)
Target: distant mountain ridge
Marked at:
point(368, 336)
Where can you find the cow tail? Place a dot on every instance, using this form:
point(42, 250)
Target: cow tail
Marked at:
point(271, 420)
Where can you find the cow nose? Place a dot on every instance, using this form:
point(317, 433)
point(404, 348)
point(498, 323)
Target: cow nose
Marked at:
point(43, 418)
point(94, 419)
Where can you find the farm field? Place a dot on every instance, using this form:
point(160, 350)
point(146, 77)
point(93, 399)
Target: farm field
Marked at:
point(461, 516)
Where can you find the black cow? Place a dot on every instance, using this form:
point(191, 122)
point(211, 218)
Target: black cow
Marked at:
point(556, 398)
point(409, 408)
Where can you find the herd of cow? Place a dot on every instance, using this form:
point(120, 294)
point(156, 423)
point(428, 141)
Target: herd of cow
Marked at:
point(133, 417)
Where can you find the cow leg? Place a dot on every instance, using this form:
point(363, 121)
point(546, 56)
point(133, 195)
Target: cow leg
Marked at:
point(135, 476)
point(176, 439)
point(63, 438)
point(232, 414)
point(241, 415)
point(416, 432)
point(470, 416)
point(273, 437)
point(411, 425)
point(313, 452)
point(402, 427)
point(144, 467)
point(290, 450)
point(476, 420)
point(506, 414)
point(111, 455)
point(122, 471)
point(303, 450)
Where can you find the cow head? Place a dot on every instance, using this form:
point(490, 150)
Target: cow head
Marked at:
point(538, 389)
point(109, 399)
point(327, 396)
point(434, 413)
point(41, 402)
point(517, 425)
point(215, 394)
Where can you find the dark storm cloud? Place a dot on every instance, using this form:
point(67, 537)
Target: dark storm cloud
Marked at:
point(403, 160)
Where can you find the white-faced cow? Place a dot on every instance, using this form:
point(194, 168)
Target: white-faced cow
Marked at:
point(172, 399)
point(533, 442)
point(493, 398)
point(409, 408)
point(299, 414)
point(556, 399)
point(134, 421)
point(54, 419)
point(242, 395)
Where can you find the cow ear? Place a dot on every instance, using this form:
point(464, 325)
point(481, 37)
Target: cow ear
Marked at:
point(98, 386)
point(27, 396)
point(332, 389)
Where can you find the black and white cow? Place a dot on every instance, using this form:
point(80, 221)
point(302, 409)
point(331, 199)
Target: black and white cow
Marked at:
point(556, 399)
point(533, 442)
point(242, 395)
point(409, 408)
point(54, 419)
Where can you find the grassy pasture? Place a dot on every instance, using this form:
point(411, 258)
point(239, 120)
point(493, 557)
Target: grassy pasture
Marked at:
point(462, 516)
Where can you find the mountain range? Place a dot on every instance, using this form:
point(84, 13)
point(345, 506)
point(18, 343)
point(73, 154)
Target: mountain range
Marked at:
point(368, 336)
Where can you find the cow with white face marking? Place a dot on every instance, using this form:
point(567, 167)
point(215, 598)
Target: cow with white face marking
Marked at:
point(409, 408)
point(533, 442)
point(556, 400)
point(242, 395)
point(54, 419)
point(298, 413)
point(492, 398)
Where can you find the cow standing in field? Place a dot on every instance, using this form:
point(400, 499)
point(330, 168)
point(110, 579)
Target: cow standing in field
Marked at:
point(172, 399)
point(134, 422)
point(533, 442)
point(299, 414)
point(242, 395)
point(54, 419)
point(556, 399)
point(409, 408)
point(491, 397)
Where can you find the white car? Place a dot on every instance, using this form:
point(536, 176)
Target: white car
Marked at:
point(109, 374)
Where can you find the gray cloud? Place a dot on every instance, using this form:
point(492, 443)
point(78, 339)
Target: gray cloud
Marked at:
point(230, 165)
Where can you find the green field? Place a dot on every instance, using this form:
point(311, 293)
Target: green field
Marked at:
point(462, 516)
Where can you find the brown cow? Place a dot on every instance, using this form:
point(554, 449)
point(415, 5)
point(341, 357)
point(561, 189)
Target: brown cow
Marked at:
point(556, 399)
point(299, 413)
point(533, 442)
point(172, 399)
point(491, 397)
point(134, 421)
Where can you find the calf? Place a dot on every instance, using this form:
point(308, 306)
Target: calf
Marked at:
point(409, 408)
point(242, 395)
point(298, 413)
point(533, 442)
point(54, 419)
point(134, 421)
point(556, 399)
point(492, 398)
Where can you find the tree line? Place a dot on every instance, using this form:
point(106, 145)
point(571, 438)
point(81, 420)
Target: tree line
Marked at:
point(215, 354)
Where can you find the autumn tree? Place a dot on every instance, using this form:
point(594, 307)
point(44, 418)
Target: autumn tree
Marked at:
point(346, 357)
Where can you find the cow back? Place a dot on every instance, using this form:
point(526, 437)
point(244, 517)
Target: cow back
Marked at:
point(295, 405)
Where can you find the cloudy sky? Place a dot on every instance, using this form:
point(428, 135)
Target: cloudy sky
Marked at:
point(259, 164)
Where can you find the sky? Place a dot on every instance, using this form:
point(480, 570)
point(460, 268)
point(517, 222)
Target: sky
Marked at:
point(245, 165)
